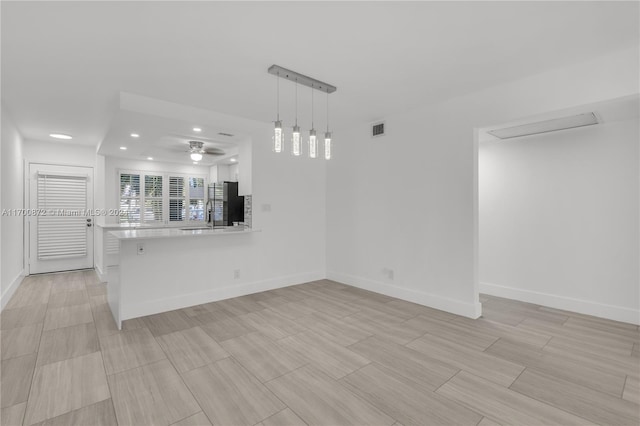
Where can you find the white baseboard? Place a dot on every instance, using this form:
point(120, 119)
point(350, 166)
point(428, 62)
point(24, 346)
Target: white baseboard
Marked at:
point(616, 313)
point(470, 310)
point(135, 310)
point(6, 296)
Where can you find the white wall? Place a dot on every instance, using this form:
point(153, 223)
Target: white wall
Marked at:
point(223, 173)
point(420, 218)
point(59, 153)
point(234, 172)
point(11, 253)
point(559, 219)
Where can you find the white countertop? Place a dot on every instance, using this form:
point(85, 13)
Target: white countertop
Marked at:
point(119, 226)
point(144, 234)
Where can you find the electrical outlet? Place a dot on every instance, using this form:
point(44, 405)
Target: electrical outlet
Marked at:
point(266, 207)
point(236, 274)
point(390, 274)
point(140, 249)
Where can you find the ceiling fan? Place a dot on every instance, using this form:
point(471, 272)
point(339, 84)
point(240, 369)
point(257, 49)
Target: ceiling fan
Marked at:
point(197, 150)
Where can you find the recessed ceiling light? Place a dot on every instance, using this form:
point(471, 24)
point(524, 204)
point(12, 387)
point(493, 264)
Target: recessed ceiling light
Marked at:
point(60, 136)
point(123, 148)
point(197, 129)
point(149, 158)
point(135, 135)
point(233, 160)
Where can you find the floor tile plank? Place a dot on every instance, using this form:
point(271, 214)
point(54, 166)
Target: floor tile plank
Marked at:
point(416, 309)
point(399, 398)
point(190, 348)
point(13, 415)
point(20, 341)
point(502, 404)
point(198, 419)
point(320, 400)
point(334, 329)
point(285, 417)
point(30, 292)
point(590, 375)
point(263, 357)
point(130, 349)
point(68, 298)
point(62, 284)
point(153, 394)
point(23, 316)
point(505, 331)
point(68, 342)
point(15, 379)
point(168, 322)
point(400, 333)
point(98, 414)
point(488, 366)
point(595, 406)
point(226, 329)
point(334, 360)
point(270, 324)
point(65, 386)
point(473, 338)
point(230, 395)
point(406, 362)
point(67, 316)
point(632, 390)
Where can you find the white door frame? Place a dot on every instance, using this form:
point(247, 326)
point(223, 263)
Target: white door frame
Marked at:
point(27, 203)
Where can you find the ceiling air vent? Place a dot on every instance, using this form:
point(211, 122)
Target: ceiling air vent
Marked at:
point(546, 126)
point(225, 134)
point(377, 130)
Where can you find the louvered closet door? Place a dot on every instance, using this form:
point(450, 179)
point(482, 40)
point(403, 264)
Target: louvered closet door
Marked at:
point(60, 224)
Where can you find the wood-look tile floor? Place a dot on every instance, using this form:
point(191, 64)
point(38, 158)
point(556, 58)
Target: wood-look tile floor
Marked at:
point(320, 353)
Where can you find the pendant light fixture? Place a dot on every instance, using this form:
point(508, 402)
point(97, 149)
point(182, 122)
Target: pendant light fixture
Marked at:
point(327, 136)
point(278, 136)
point(295, 135)
point(313, 141)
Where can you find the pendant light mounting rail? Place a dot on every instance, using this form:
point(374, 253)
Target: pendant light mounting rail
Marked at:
point(301, 79)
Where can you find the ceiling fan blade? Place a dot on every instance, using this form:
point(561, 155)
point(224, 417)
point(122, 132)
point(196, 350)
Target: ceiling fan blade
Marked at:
point(214, 151)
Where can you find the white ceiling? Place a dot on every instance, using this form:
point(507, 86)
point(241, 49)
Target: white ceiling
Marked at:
point(65, 63)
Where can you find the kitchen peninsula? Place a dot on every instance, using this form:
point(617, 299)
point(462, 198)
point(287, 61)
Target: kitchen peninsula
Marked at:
point(161, 269)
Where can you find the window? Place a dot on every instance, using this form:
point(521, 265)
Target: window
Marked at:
point(196, 198)
point(176, 199)
point(161, 198)
point(129, 198)
point(153, 198)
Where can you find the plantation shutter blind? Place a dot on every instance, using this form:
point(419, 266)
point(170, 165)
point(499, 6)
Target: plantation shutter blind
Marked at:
point(196, 198)
point(153, 198)
point(177, 205)
point(129, 198)
point(62, 232)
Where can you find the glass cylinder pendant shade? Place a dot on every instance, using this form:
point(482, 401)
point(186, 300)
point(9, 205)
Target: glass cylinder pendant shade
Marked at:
point(313, 144)
point(327, 145)
point(295, 141)
point(278, 137)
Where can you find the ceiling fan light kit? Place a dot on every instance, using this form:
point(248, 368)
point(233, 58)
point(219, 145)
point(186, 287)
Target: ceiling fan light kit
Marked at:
point(278, 134)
